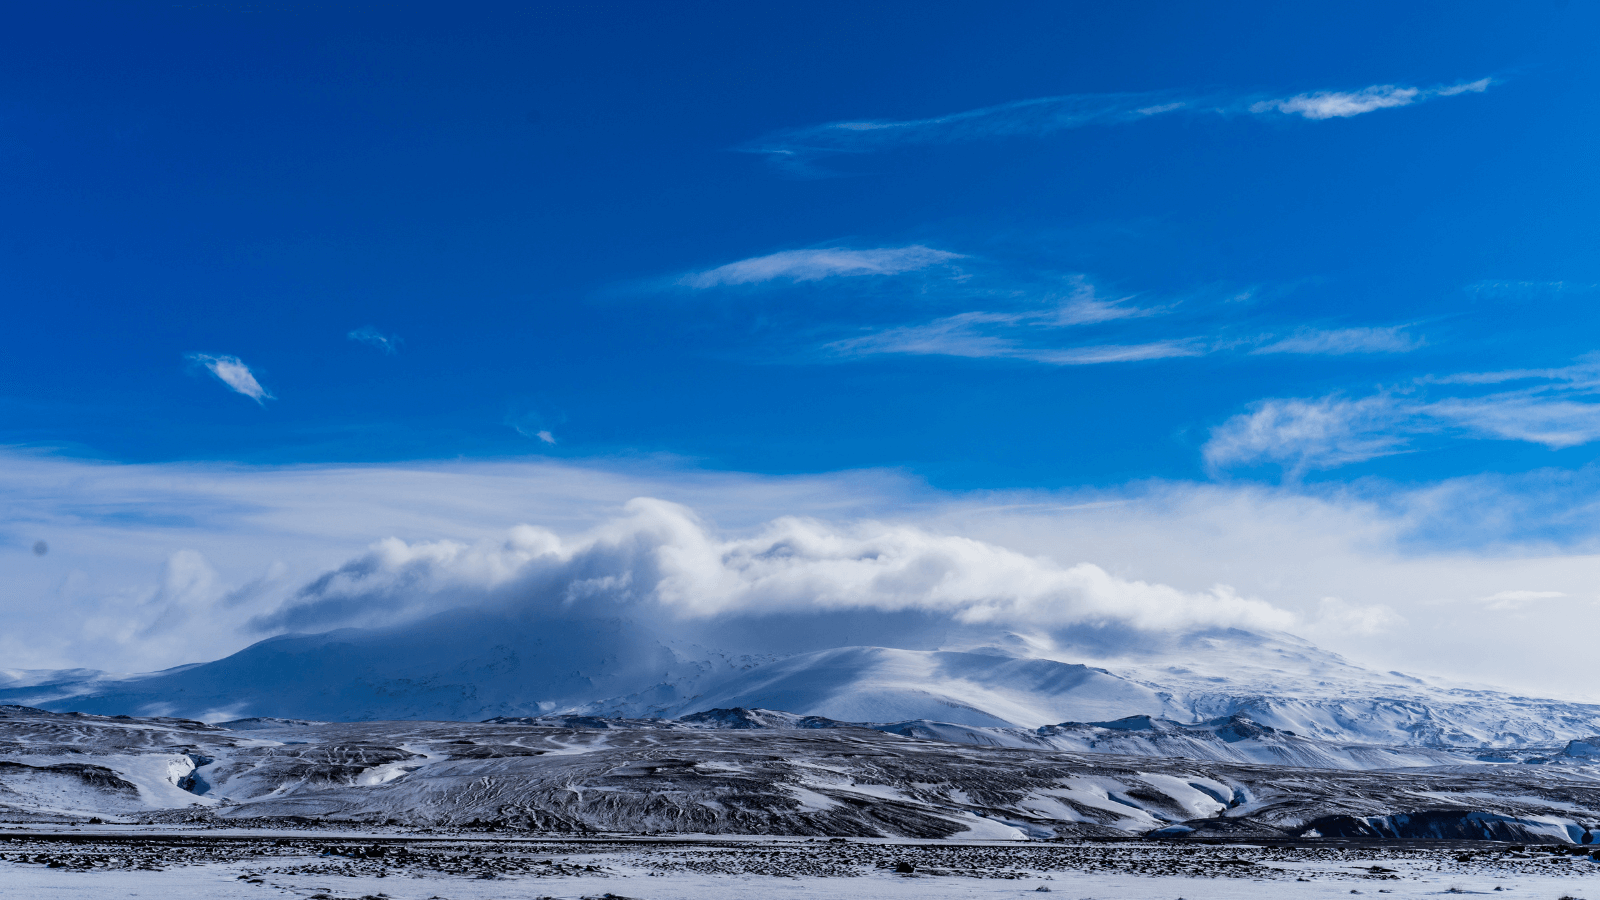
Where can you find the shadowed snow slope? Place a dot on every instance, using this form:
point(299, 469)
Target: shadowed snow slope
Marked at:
point(476, 664)
point(464, 665)
point(876, 684)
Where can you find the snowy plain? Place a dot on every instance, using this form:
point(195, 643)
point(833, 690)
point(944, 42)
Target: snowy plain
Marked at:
point(332, 866)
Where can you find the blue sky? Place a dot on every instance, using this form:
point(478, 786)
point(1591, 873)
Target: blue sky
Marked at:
point(1212, 295)
point(518, 199)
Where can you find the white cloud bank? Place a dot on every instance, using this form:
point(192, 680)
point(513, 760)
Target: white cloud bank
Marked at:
point(661, 553)
point(232, 371)
point(156, 565)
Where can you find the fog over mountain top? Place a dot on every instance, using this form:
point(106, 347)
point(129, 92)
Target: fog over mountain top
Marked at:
point(660, 562)
point(152, 566)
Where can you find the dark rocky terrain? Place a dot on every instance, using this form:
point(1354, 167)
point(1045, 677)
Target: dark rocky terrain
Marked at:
point(655, 777)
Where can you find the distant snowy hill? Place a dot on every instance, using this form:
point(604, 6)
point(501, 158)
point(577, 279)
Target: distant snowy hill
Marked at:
point(463, 665)
point(471, 666)
point(878, 684)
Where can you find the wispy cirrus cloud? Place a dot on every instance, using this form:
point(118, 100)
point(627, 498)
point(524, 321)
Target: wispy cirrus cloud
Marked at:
point(1535, 418)
point(1021, 314)
point(964, 335)
point(1559, 408)
point(1344, 104)
point(1301, 435)
point(1343, 341)
point(796, 150)
point(1032, 335)
point(1529, 290)
point(795, 266)
point(388, 343)
point(1582, 375)
point(232, 371)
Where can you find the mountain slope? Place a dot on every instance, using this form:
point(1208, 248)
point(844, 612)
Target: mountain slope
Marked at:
point(473, 665)
point(879, 684)
point(461, 666)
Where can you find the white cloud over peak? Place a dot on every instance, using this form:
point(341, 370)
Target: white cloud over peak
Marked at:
point(660, 554)
point(1344, 104)
point(232, 371)
point(814, 265)
point(1342, 341)
point(157, 565)
point(1340, 616)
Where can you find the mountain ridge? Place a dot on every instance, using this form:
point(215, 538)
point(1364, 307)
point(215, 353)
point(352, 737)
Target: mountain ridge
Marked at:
point(473, 665)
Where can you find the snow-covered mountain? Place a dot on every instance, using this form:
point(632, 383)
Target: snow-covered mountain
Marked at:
point(465, 665)
point(1233, 739)
point(879, 684)
point(473, 665)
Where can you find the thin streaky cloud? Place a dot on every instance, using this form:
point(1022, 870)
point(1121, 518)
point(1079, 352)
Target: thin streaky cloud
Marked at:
point(231, 371)
point(1114, 353)
point(1084, 308)
point(985, 334)
point(1584, 374)
point(1557, 413)
point(1343, 341)
point(957, 335)
point(1553, 423)
point(1302, 435)
point(388, 343)
point(814, 265)
point(796, 149)
point(1344, 104)
point(1528, 290)
point(962, 335)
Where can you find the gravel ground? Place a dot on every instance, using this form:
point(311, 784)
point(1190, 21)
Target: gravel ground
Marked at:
point(176, 865)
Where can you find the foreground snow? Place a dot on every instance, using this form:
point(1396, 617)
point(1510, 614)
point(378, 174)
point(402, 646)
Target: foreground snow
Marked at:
point(180, 865)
